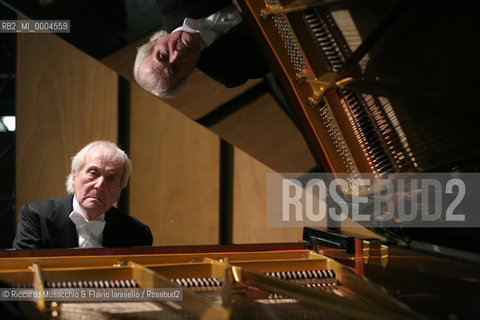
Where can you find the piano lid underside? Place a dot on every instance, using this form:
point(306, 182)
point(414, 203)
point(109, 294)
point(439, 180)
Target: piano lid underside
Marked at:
point(428, 65)
point(412, 104)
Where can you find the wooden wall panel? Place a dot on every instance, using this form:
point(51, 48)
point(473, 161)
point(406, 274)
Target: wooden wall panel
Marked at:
point(264, 130)
point(65, 99)
point(175, 181)
point(250, 204)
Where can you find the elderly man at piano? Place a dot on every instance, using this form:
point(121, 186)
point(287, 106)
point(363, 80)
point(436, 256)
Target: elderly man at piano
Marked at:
point(209, 35)
point(86, 217)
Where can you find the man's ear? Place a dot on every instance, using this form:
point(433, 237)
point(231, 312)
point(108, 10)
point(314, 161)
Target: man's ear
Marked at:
point(74, 177)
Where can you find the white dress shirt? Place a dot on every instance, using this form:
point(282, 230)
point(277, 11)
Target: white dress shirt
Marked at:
point(214, 26)
point(90, 232)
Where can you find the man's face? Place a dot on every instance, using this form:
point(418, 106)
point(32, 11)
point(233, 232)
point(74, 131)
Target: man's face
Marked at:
point(97, 185)
point(173, 57)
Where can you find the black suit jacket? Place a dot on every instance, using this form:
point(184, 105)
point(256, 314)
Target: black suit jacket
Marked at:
point(46, 224)
point(233, 58)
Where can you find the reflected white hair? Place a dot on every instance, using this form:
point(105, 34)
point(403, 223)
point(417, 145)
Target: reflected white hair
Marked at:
point(157, 89)
point(111, 153)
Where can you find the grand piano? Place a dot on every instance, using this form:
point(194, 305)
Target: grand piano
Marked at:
point(375, 87)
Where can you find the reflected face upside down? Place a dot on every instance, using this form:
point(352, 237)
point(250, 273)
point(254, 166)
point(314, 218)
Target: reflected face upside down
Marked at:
point(173, 57)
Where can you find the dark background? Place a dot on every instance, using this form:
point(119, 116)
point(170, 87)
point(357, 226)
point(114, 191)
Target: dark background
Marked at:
point(7, 138)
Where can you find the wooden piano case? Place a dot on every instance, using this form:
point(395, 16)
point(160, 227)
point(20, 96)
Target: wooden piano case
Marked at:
point(293, 280)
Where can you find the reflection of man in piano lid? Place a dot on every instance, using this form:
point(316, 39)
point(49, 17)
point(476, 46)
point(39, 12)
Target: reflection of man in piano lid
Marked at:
point(86, 217)
point(216, 42)
point(163, 64)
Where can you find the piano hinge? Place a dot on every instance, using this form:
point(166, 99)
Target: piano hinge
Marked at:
point(322, 84)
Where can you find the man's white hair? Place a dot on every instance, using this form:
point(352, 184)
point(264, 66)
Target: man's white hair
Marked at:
point(158, 89)
point(112, 154)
